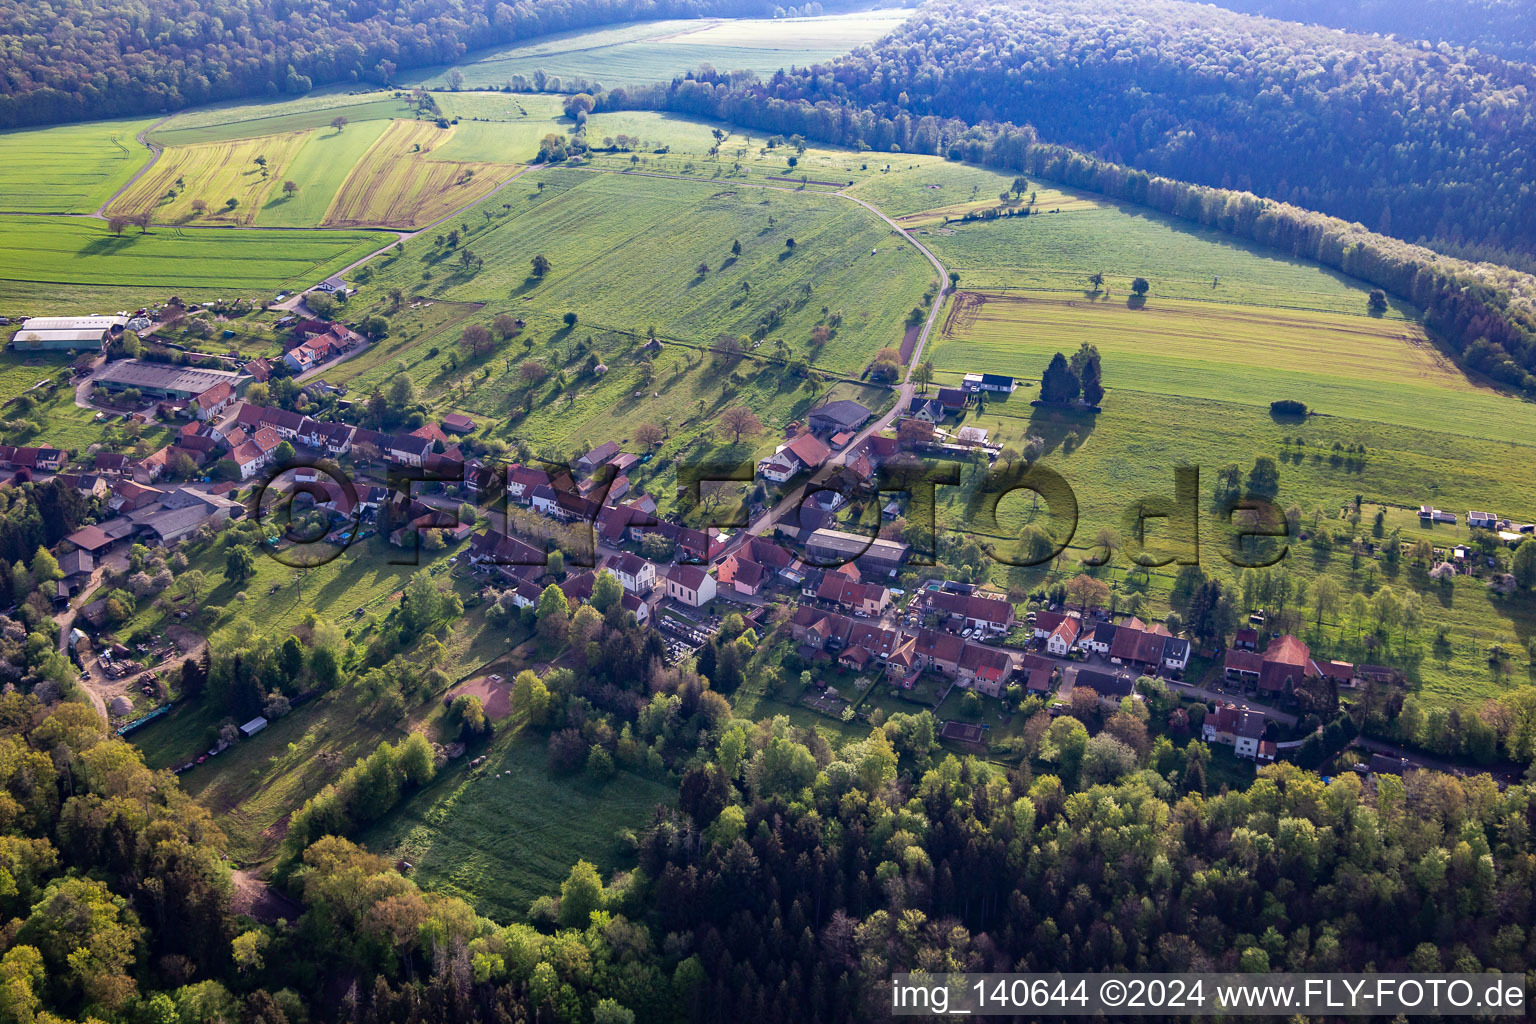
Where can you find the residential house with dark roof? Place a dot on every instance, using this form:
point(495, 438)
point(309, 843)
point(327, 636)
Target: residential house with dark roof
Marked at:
point(984, 668)
point(332, 438)
point(866, 599)
point(953, 399)
point(938, 650)
point(927, 409)
point(1237, 727)
point(745, 576)
point(597, 456)
point(1109, 687)
point(959, 612)
point(637, 575)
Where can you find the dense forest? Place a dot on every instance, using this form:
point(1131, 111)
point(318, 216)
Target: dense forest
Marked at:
point(1506, 28)
point(785, 882)
point(1424, 146)
point(787, 885)
point(93, 58)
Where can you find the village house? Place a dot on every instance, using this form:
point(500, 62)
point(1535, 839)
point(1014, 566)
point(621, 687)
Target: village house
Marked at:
point(598, 456)
point(408, 450)
point(332, 438)
point(866, 599)
point(637, 575)
point(1110, 688)
point(953, 400)
point(47, 460)
point(938, 650)
point(1284, 664)
point(1239, 728)
point(1064, 636)
point(959, 612)
point(803, 454)
point(745, 576)
point(985, 669)
point(691, 585)
point(252, 418)
point(994, 382)
point(214, 401)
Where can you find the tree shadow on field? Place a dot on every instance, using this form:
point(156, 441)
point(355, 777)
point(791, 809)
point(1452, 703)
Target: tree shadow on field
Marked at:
point(1055, 425)
point(105, 245)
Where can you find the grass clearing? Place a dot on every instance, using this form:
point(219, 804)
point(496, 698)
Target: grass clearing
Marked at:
point(69, 169)
point(223, 175)
point(69, 260)
point(638, 53)
point(398, 184)
point(319, 169)
point(500, 841)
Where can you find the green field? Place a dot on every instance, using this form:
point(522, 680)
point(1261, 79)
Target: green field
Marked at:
point(19, 373)
point(319, 169)
point(1353, 367)
point(253, 120)
point(70, 169)
point(500, 841)
point(643, 52)
point(625, 248)
point(52, 263)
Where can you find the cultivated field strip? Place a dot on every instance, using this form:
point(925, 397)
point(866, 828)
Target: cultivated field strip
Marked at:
point(397, 184)
point(212, 173)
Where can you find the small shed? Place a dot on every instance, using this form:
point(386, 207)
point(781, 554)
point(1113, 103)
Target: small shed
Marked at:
point(253, 727)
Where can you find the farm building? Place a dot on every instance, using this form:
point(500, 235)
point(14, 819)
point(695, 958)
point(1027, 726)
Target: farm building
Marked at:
point(162, 380)
point(67, 333)
point(842, 415)
point(253, 727)
point(835, 546)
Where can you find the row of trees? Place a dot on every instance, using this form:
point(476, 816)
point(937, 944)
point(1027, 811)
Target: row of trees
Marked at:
point(1065, 381)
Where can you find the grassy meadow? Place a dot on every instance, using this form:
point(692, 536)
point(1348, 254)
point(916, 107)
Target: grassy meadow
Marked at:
point(506, 833)
point(642, 52)
point(69, 169)
point(1190, 375)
